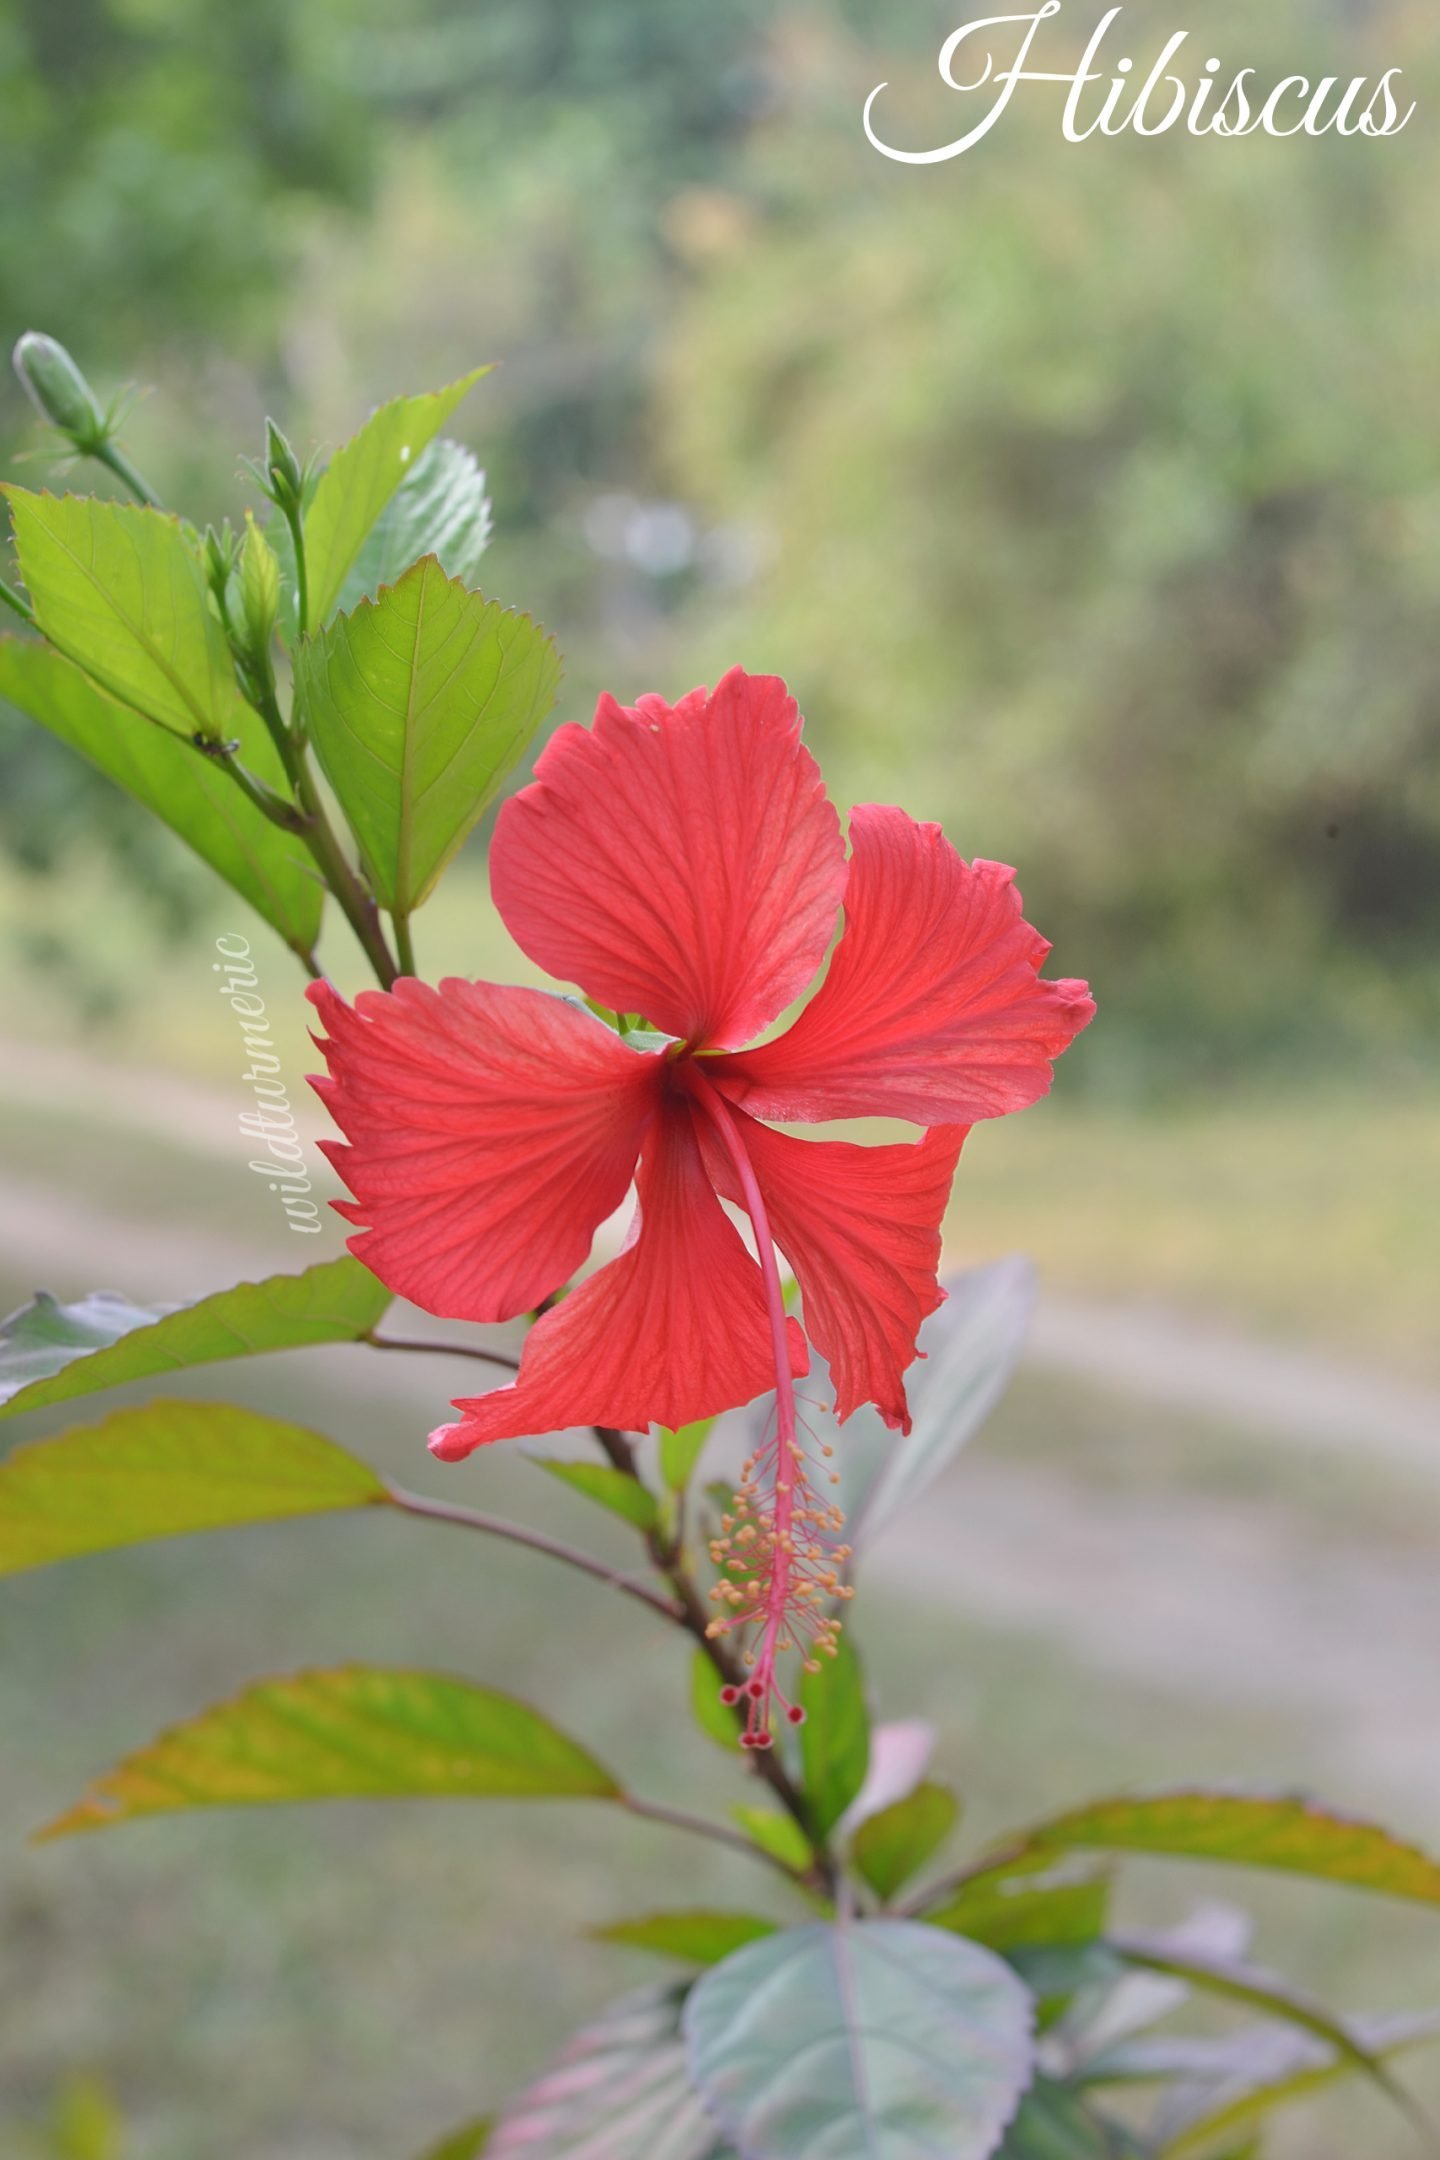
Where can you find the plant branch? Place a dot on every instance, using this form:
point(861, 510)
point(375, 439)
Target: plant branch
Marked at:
point(701, 1826)
point(463, 1518)
point(441, 1349)
point(108, 453)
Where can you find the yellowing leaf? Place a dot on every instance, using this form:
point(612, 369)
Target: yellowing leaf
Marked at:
point(360, 480)
point(418, 705)
point(355, 1732)
point(166, 1470)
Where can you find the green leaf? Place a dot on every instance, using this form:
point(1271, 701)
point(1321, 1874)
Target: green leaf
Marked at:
point(680, 1451)
point(258, 580)
point(119, 589)
point(167, 1470)
point(972, 1346)
point(610, 1488)
point(891, 1846)
point(50, 1353)
point(835, 1738)
point(356, 1732)
point(1054, 2123)
point(718, 1723)
point(193, 796)
point(1294, 1836)
point(1029, 1912)
point(360, 480)
point(466, 2143)
point(418, 705)
point(699, 1938)
point(1237, 1982)
point(777, 1834)
point(1220, 2087)
point(618, 2089)
point(440, 508)
point(883, 2038)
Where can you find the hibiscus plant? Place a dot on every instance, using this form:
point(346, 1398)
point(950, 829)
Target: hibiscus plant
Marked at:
point(322, 706)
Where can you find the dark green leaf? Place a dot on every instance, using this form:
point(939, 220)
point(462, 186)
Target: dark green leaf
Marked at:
point(419, 704)
point(715, 1721)
point(360, 480)
point(698, 1938)
point(1292, 1835)
point(777, 1834)
point(50, 1353)
point(119, 590)
point(355, 1732)
point(610, 1488)
point(466, 2143)
point(681, 1451)
point(835, 1738)
point(883, 2038)
point(1056, 2124)
point(440, 508)
point(890, 1847)
point(617, 2091)
point(1027, 1912)
point(191, 794)
point(166, 1470)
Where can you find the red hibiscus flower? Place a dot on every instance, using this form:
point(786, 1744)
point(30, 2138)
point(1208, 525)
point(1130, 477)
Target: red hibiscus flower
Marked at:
point(683, 862)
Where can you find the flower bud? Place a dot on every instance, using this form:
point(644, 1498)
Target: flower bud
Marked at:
point(282, 469)
point(58, 390)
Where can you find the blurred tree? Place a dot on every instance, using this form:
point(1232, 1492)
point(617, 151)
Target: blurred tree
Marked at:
point(1102, 503)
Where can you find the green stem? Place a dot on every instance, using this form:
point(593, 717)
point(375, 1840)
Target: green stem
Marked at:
point(296, 524)
point(669, 1561)
point(404, 944)
point(700, 1826)
point(287, 815)
point(17, 601)
point(110, 454)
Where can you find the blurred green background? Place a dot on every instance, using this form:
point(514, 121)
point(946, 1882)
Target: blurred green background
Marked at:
point(1090, 500)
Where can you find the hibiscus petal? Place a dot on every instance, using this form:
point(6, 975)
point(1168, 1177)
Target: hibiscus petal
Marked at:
point(491, 1131)
point(932, 1008)
point(680, 861)
point(675, 1329)
point(861, 1228)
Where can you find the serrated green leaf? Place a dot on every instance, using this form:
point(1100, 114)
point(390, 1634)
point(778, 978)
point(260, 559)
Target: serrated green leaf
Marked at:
point(440, 508)
point(883, 2038)
point(618, 2089)
point(609, 1488)
point(466, 2143)
point(697, 1938)
point(355, 1732)
point(891, 1846)
point(1056, 2124)
point(680, 1451)
point(777, 1834)
point(167, 1470)
point(1026, 1912)
point(361, 478)
point(118, 588)
point(1293, 1836)
point(192, 795)
point(51, 1353)
point(835, 1737)
point(718, 1723)
point(418, 705)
